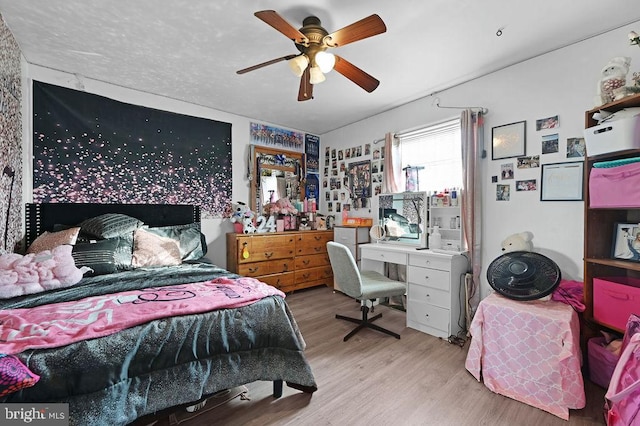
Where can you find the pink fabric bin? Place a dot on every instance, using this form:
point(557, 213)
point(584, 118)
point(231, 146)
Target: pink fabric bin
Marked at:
point(602, 361)
point(615, 299)
point(615, 186)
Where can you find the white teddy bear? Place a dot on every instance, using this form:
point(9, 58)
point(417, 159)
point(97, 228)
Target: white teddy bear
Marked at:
point(614, 76)
point(247, 226)
point(518, 242)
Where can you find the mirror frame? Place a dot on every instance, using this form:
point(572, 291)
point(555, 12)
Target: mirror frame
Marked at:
point(264, 157)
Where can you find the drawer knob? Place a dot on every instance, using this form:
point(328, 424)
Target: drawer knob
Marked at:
point(428, 295)
point(426, 277)
point(268, 254)
point(254, 270)
point(317, 238)
point(317, 248)
point(306, 262)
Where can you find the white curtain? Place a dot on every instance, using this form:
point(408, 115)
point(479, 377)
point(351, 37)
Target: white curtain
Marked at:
point(392, 165)
point(472, 132)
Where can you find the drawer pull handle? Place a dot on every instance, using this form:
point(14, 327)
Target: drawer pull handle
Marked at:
point(426, 277)
point(317, 238)
point(305, 276)
point(306, 262)
point(254, 270)
point(268, 254)
point(428, 295)
point(317, 248)
point(285, 267)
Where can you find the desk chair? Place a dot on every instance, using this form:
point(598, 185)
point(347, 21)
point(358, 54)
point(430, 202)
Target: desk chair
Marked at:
point(364, 286)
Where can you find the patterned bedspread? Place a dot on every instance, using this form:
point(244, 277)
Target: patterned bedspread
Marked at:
point(168, 361)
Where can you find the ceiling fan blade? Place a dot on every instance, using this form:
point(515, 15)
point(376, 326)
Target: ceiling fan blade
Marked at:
point(367, 27)
point(355, 74)
point(272, 18)
point(264, 64)
point(306, 88)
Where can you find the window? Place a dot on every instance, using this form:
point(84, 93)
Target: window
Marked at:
point(435, 151)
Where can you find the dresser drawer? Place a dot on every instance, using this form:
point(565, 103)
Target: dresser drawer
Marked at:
point(312, 242)
point(425, 314)
point(312, 260)
point(428, 277)
point(382, 255)
point(256, 269)
point(430, 261)
point(265, 247)
point(313, 274)
point(434, 296)
point(279, 280)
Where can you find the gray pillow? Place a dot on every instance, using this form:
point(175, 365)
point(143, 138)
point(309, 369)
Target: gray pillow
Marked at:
point(187, 236)
point(99, 256)
point(110, 225)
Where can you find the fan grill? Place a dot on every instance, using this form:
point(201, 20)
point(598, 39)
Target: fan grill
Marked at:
point(523, 275)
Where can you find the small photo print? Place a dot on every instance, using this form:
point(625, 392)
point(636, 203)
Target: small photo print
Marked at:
point(529, 162)
point(507, 171)
point(547, 123)
point(575, 147)
point(503, 192)
point(340, 155)
point(550, 143)
point(376, 154)
point(526, 185)
point(494, 179)
point(375, 167)
point(367, 149)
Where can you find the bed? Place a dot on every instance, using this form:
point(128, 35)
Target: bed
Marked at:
point(187, 349)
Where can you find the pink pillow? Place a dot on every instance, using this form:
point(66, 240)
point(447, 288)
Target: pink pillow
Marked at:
point(154, 250)
point(51, 240)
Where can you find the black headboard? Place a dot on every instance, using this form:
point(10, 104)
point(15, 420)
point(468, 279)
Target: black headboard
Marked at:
point(43, 217)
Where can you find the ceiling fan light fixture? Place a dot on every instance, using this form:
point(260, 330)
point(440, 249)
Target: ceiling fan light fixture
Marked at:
point(299, 64)
point(325, 61)
point(316, 76)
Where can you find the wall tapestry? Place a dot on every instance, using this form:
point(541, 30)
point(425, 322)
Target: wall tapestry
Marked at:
point(262, 134)
point(10, 142)
point(88, 148)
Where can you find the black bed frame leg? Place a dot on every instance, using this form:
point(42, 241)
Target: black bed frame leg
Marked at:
point(277, 388)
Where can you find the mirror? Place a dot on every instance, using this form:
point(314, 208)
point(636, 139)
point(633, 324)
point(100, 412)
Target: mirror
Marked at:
point(275, 174)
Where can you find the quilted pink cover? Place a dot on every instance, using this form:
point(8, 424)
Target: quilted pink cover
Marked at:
point(528, 351)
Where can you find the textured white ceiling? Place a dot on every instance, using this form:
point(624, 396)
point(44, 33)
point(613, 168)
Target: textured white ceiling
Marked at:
point(191, 49)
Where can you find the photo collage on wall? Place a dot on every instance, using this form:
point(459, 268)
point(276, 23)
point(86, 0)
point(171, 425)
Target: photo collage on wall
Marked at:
point(516, 171)
point(350, 180)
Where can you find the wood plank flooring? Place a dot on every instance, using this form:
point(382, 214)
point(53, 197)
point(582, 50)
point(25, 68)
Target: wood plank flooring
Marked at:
point(375, 379)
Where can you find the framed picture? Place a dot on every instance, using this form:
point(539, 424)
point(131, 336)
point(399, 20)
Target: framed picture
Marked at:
point(562, 181)
point(626, 241)
point(508, 140)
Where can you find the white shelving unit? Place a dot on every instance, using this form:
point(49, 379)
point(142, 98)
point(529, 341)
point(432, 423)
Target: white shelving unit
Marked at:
point(449, 221)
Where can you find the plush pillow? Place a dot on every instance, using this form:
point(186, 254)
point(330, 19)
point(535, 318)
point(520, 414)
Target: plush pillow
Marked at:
point(187, 237)
point(38, 272)
point(154, 250)
point(14, 375)
point(110, 225)
point(49, 240)
point(100, 256)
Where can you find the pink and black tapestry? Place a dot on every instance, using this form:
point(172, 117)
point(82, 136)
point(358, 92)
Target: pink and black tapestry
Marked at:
point(92, 149)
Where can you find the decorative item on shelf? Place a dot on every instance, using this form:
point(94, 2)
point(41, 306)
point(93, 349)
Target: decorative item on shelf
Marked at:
point(331, 221)
point(614, 76)
point(634, 39)
point(435, 239)
point(377, 233)
point(321, 223)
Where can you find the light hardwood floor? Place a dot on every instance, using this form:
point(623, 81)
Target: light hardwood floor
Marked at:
point(375, 379)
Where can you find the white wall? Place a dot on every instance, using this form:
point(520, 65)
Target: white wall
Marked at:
point(560, 83)
point(214, 229)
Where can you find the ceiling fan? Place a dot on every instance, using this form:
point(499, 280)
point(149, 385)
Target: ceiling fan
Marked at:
point(312, 40)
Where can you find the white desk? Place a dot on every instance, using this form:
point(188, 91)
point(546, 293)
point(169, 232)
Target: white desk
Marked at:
point(434, 298)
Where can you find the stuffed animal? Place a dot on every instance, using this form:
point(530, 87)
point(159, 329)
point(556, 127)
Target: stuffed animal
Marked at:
point(240, 211)
point(247, 225)
point(518, 242)
point(614, 75)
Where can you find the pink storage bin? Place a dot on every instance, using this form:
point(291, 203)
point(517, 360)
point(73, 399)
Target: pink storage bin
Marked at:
point(602, 361)
point(615, 186)
point(615, 299)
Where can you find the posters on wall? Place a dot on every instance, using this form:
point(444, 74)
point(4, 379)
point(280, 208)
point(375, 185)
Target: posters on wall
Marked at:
point(88, 148)
point(275, 137)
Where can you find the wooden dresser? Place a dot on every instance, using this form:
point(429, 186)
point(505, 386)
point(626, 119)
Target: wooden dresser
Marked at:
point(287, 260)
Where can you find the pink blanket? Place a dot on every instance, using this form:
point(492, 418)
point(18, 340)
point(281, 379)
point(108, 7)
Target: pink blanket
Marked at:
point(60, 324)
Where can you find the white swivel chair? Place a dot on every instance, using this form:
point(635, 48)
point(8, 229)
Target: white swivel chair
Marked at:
point(364, 286)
